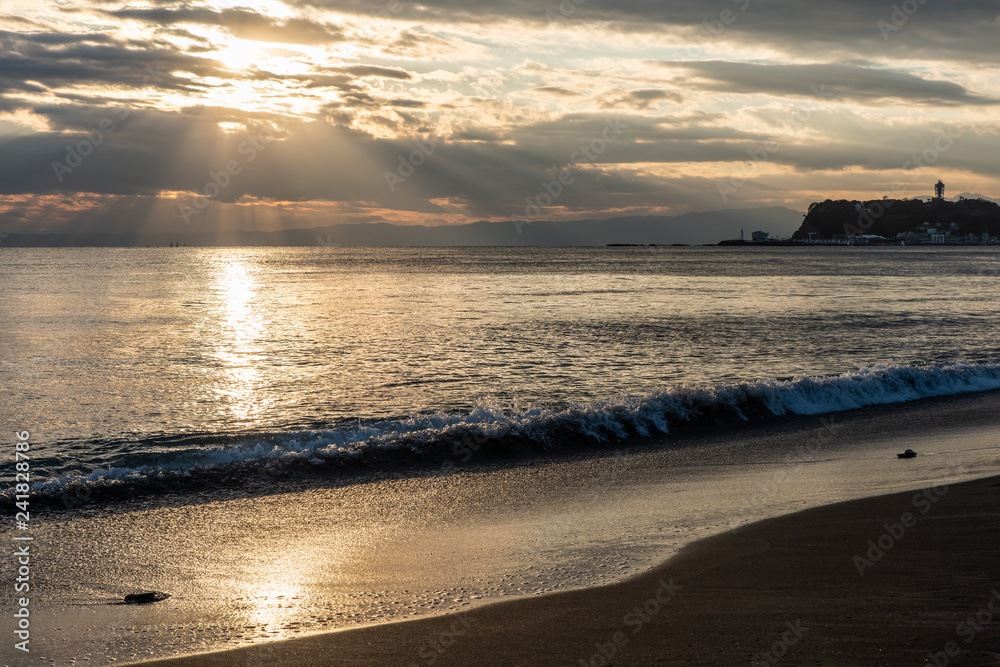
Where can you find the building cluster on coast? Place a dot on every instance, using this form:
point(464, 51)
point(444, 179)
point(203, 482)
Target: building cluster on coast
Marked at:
point(932, 221)
point(926, 234)
point(951, 235)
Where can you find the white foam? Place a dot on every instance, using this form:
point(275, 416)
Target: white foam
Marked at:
point(613, 419)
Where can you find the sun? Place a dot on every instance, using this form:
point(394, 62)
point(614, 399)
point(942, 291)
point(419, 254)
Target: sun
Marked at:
point(241, 54)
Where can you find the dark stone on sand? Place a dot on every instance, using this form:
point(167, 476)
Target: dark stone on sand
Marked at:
point(740, 596)
point(908, 454)
point(145, 597)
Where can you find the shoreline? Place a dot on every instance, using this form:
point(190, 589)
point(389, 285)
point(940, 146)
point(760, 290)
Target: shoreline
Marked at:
point(804, 587)
point(913, 416)
point(248, 571)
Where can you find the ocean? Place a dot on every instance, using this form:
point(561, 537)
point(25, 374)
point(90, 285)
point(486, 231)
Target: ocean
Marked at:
point(297, 440)
point(140, 364)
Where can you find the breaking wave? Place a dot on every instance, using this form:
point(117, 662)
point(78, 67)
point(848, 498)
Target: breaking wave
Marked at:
point(447, 441)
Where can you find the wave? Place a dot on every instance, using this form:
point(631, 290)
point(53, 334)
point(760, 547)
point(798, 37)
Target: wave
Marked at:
point(449, 441)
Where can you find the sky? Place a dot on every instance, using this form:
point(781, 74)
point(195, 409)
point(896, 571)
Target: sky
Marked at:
point(170, 115)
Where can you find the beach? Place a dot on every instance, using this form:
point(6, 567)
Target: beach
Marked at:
point(294, 443)
point(803, 589)
point(248, 570)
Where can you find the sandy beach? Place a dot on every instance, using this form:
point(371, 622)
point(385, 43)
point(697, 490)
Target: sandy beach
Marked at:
point(891, 580)
point(378, 564)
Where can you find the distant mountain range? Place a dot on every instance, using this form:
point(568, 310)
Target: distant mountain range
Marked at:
point(707, 227)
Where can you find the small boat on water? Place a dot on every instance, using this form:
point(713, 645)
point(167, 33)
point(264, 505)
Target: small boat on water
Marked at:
point(908, 454)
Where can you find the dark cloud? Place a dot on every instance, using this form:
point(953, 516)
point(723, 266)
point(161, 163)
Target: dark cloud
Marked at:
point(56, 60)
point(492, 162)
point(640, 99)
point(365, 100)
point(415, 43)
point(376, 71)
point(829, 82)
point(149, 152)
point(557, 91)
point(9, 39)
point(957, 29)
point(242, 23)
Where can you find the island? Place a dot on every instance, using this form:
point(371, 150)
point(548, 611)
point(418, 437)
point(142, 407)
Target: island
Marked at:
point(916, 221)
point(911, 221)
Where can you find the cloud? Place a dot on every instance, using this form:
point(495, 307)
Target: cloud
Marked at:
point(376, 71)
point(956, 29)
point(836, 82)
point(640, 99)
point(242, 23)
point(419, 43)
point(557, 91)
point(516, 92)
point(54, 60)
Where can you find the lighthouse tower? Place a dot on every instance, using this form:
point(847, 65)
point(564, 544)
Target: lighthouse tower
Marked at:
point(939, 190)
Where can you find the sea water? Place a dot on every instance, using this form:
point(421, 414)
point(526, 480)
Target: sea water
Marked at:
point(131, 364)
point(295, 440)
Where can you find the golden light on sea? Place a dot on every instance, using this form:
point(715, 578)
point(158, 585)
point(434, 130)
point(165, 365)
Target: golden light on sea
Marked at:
point(239, 326)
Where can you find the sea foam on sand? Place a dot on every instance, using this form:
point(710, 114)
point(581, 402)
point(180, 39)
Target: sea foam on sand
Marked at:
point(243, 569)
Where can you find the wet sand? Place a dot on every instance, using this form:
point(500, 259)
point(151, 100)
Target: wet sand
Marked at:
point(899, 579)
point(309, 558)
